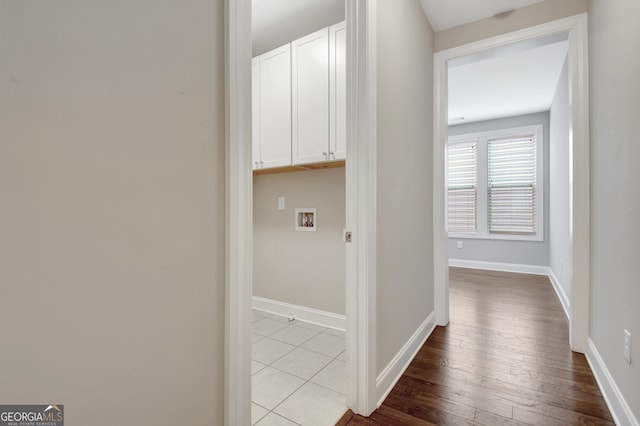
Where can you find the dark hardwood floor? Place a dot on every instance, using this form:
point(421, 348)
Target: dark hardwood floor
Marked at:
point(504, 359)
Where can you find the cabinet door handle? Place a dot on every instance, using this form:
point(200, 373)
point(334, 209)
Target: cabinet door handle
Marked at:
point(326, 156)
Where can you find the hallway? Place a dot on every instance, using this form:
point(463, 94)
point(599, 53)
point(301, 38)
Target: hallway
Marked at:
point(504, 359)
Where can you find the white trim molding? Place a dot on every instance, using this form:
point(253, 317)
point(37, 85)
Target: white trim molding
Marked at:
point(562, 295)
point(238, 213)
point(577, 30)
point(440, 231)
point(388, 378)
point(580, 184)
point(503, 267)
point(618, 406)
point(361, 206)
point(302, 313)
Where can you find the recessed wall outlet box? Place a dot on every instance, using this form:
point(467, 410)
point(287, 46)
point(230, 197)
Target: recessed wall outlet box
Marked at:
point(306, 220)
point(280, 203)
point(627, 346)
point(460, 244)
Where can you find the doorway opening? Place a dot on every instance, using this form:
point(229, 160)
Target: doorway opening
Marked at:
point(574, 30)
point(298, 358)
point(360, 301)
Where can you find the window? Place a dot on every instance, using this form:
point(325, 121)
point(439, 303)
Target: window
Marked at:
point(462, 175)
point(511, 176)
point(494, 184)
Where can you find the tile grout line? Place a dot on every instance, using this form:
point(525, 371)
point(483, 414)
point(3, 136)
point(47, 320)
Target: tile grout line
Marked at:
point(306, 381)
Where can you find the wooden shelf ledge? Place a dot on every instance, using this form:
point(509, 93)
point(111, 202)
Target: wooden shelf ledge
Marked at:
point(300, 167)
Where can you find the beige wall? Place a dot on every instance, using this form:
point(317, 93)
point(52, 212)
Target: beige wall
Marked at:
point(301, 268)
point(111, 209)
point(614, 37)
point(539, 13)
point(404, 174)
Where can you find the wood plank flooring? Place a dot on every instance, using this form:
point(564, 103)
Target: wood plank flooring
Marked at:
point(504, 359)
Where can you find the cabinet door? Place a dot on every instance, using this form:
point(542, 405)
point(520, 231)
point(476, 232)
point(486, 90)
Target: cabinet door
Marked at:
point(310, 97)
point(338, 91)
point(275, 107)
point(255, 112)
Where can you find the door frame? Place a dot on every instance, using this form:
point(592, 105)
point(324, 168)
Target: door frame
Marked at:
point(579, 210)
point(238, 213)
point(361, 206)
point(360, 210)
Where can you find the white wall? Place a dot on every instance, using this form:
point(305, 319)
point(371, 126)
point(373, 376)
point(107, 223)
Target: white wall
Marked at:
point(615, 196)
point(504, 251)
point(559, 196)
point(538, 13)
point(301, 268)
point(111, 213)
point(404, 174)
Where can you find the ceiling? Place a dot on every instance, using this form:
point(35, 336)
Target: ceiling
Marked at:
point(276, 22)
point(505, 83)
point(451, 13)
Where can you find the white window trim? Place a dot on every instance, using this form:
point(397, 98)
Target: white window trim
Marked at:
point(482, 222)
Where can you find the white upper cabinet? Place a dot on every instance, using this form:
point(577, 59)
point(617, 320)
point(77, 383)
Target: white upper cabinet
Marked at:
point(299, 101)
point(271, 108)
point(338, 91)
point(310, 98)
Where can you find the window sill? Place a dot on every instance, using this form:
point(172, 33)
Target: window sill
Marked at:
point(502, 237)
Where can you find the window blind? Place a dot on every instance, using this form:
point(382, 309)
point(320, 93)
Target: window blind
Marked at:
point(512, 185)
point(462, 175)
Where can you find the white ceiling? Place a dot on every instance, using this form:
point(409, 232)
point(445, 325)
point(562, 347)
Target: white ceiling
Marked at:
point(276, 22)
point(505, 84)
point(444, 14)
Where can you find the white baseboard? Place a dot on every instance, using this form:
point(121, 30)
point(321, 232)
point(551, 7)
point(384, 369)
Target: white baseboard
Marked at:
point(562, 296)
point(620, 410)
point(388, 378)
point(302, 313)
point(503, 267)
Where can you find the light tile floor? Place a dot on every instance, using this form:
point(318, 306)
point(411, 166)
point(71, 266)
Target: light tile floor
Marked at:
point(298, 373)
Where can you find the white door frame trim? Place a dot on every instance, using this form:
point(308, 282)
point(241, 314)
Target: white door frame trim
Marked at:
point(576, 27)
point(360, 178)
point(361, 206)
point(238, 213)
